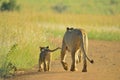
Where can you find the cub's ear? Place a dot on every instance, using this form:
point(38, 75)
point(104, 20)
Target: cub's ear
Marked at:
point(71, 28)
point(47, 47)
point(67, 28)
point(41, 48)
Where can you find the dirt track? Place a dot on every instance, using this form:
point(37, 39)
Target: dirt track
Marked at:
point(106, 55)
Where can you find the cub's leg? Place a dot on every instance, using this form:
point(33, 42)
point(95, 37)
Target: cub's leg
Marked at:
point(45, 65)
point(40, 66)
point(49, 65)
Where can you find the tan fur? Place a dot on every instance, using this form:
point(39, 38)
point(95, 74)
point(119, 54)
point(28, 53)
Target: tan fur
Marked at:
point(75, 41)
point(45, 58)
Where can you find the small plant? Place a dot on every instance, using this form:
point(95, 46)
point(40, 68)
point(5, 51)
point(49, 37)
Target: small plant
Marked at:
point(60, 8)
point(8, 68)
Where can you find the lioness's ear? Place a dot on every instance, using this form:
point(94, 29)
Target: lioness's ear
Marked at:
point(47, 47)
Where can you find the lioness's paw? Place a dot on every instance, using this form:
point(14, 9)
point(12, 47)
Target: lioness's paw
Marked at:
point(73, 69)
point(65, 65)
point(84, 70)
point(40, 70)
point(66, 68)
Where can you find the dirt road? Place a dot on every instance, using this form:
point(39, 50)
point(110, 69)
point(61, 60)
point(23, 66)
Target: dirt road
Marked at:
point(106, 55)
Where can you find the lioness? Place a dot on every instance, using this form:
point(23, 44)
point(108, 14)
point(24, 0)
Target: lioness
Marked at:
point(45, 58)
point(75, 41)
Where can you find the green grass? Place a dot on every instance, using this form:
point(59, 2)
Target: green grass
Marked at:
point(104, 7)
point(29, 35)
point(104, 36)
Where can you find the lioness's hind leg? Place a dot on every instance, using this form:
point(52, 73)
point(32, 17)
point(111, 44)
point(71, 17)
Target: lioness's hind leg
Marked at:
point(84, 64)
point(78, 58)
point(63, 55)
point(73, 66)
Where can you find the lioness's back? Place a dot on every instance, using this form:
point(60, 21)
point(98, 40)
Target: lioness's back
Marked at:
point(72, 38)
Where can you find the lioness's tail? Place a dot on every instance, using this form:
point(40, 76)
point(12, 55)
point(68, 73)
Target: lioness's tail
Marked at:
point(83, 48)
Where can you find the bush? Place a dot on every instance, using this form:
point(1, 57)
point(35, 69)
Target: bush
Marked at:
point(60, 8)
point(9, 6)
point(8, 68)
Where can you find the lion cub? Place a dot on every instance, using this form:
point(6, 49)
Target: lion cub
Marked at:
point(45, 58)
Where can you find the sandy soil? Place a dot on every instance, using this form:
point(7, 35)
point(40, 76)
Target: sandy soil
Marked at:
point(106, 55)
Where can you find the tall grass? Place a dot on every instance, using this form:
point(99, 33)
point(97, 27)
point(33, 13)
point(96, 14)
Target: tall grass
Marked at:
point(29, 35)
point(34, 29)
point(7, 65)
